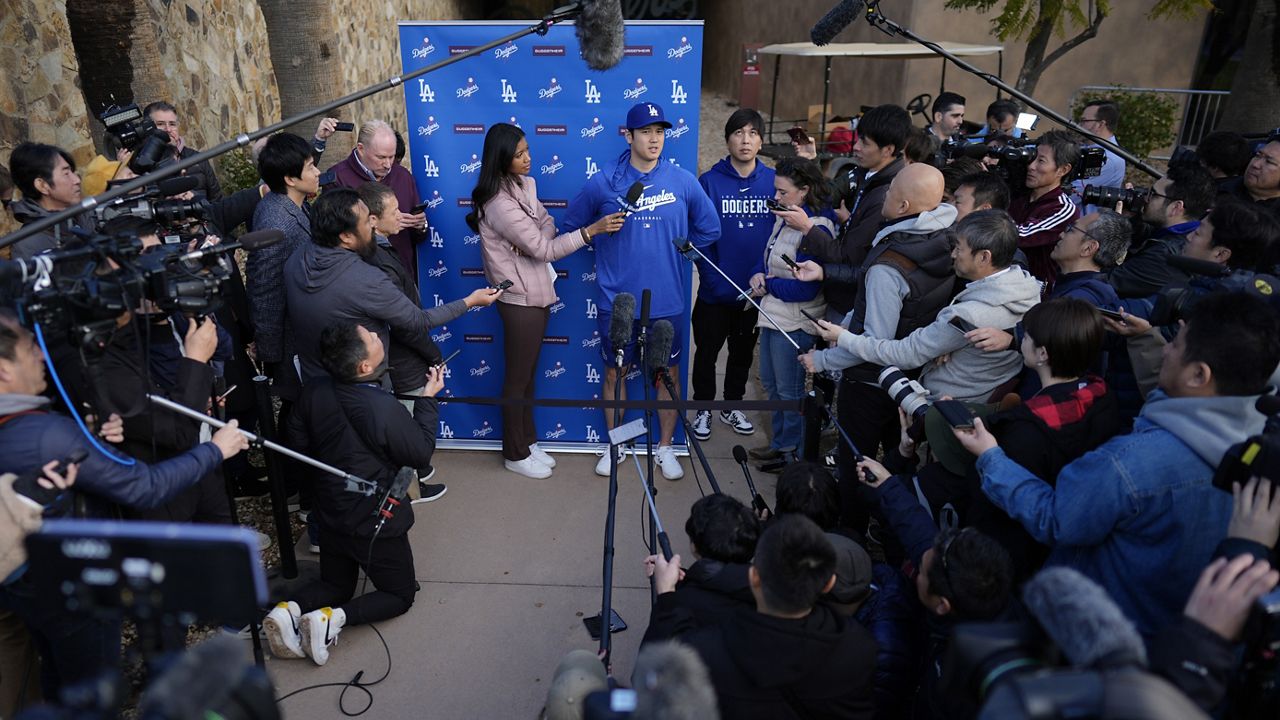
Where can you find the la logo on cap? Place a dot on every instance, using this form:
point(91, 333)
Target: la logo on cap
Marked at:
point(653, 111)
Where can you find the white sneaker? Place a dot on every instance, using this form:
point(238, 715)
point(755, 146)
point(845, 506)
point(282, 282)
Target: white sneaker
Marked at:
point(666, 459)
point(319, 630)
point(738, 421)
point(281, 629)
point(602, 465)
point(702, 425)
point(542, 456)
point(528, 467)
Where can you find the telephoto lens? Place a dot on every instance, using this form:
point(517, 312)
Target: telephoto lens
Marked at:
point(910, 395)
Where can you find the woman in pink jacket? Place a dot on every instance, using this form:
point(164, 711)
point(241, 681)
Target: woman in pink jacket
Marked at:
point(518, 241)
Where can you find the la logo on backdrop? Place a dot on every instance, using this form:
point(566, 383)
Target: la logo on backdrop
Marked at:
point(569, 113)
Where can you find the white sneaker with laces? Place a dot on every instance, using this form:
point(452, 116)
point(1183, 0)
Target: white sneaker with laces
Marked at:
point(702, 425)
point(602, 465)
point(281, 629)
point(319, 630)
point(542, 456)
point(528, 467)
point(738, 421)
point(666, 459)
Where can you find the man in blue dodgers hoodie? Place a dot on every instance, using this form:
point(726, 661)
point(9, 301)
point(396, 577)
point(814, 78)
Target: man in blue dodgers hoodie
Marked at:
point(738, 186)
point(1140, 515)
point(641, 255)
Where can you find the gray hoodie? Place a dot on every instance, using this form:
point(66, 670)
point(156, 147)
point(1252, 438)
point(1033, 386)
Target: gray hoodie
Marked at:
point(27, 211)
point(1207, 425)
point(970, 375)
point(327, 285)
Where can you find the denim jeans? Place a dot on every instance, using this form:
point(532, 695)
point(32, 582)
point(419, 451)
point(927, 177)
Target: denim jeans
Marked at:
point(783, 379)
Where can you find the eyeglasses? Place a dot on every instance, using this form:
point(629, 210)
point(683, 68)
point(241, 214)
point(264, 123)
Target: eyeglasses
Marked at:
point(1076, 228)
point(946, 549)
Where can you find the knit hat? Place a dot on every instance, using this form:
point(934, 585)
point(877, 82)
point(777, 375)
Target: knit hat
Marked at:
point(579, 674)
point(853, 570)
point(97, 174)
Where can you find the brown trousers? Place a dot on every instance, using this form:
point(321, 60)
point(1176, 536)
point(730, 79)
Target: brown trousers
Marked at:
point(522, 328)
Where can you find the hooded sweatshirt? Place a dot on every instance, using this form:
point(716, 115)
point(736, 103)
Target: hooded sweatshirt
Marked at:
point(971, 375)
point(27, 211)
point(1139, 515)
point(641, 255)
point(326, 285)
point(745, 223)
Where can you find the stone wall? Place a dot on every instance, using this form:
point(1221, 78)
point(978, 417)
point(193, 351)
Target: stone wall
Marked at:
point(39, 96)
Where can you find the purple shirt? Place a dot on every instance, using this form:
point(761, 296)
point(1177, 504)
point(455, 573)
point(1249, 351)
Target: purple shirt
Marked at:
point(351, 174)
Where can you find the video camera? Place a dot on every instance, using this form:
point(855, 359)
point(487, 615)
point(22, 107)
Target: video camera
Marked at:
point(1174, 302)
point(1014, 154)
point(155, 203)
point(139, 135)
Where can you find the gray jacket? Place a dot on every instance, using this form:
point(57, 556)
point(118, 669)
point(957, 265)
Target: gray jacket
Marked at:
point(27, 211)
point(327, 285)
point(970, 375)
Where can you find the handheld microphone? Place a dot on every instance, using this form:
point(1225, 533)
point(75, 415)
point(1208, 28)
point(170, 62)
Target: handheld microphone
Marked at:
point(658, 352)
point(683, 246)
point(601, 33)
point(624, 311)
point(633, 195)
point(643, 334)
point(837, 19)
point(1083, 620)
point(757, 502)
point(255, 240)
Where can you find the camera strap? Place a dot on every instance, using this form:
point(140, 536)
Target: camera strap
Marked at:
point(6, 418)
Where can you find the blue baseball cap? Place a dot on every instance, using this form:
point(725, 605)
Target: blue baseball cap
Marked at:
point(645, 114)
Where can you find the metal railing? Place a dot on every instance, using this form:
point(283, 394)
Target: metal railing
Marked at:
point(1201, 109)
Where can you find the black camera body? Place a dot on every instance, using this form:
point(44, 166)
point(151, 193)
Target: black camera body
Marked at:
point(151, 205)
point(1015, 154)
point(1174, 302)
point(1134, 199)
point(139, 135)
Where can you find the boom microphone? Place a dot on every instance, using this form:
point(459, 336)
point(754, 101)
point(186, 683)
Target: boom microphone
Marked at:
point(1083, 620)
point(624, 313)
point(601, 33)
point(837, 19)
point(255, 240)
point(658, 352)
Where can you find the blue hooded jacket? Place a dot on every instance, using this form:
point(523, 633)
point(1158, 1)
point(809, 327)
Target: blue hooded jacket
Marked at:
point(745, 223)
point(641, 255)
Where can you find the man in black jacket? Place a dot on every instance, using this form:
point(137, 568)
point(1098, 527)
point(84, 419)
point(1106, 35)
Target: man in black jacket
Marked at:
point(1178, 201)
point(792, 657)
point(347, 420)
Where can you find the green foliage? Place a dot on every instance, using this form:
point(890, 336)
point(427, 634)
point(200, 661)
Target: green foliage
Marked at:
point(1147, 120)
point(1018, 18)
point(237, 171)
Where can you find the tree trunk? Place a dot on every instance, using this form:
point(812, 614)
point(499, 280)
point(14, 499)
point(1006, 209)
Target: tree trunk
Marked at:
point(301, 33)
point(1255, 91)
point(1037, 43)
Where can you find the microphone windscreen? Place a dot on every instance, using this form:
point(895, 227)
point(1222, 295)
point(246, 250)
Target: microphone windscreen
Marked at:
point(634, 193)
point(624, 311)
point(601, 33)
point(199, 680)
point(739, 454)
point(177, 185)
point(837, 19)
point(658, 353)
point(259, 239)
point(1083, 620)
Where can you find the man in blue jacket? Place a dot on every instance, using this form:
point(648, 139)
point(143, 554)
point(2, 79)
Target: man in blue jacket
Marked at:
point(1140, 515)
point(77, 647)
point(641, 255)
point(738, 186)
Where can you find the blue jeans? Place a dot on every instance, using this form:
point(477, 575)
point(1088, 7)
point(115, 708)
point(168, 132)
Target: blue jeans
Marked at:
point(783, 379)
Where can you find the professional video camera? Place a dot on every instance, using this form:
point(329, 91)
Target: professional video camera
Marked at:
point(83, 289)
point(1175, 301)
point(1013, 155)
point(1134, 199)
point(155, 204)
point(139, 135)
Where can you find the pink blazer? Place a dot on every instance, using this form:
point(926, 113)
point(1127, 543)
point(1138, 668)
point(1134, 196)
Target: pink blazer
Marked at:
point(518, 239)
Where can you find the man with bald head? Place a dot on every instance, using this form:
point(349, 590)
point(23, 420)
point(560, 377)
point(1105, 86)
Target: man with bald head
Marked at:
point(905, 280)
point(374, 159)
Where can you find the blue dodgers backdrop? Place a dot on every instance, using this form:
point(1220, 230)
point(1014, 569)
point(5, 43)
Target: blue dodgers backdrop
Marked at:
point(573, 117)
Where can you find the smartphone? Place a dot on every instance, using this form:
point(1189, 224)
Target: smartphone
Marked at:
point(418, 209)
point(445, 361)
point(956, 413)
point(502, 285)
point(1111, 314)
point(345, 127)
point(328, 178)
point(616, 624)
point(27, 485)
point(790, 263)
point(808, 316)
point(798, 135)
point(962, 325)
point(775, 206)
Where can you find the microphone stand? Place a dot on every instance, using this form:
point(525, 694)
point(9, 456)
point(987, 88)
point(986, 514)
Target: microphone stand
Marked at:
point(688, 430)
point(642, 348)
point(684, 249)
point(663, 542)
point(891, 28)
point(606, 595)
point(559, 15)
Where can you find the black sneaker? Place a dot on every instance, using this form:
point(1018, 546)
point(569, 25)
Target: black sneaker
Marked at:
point(429, 492)
point(426, 473)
